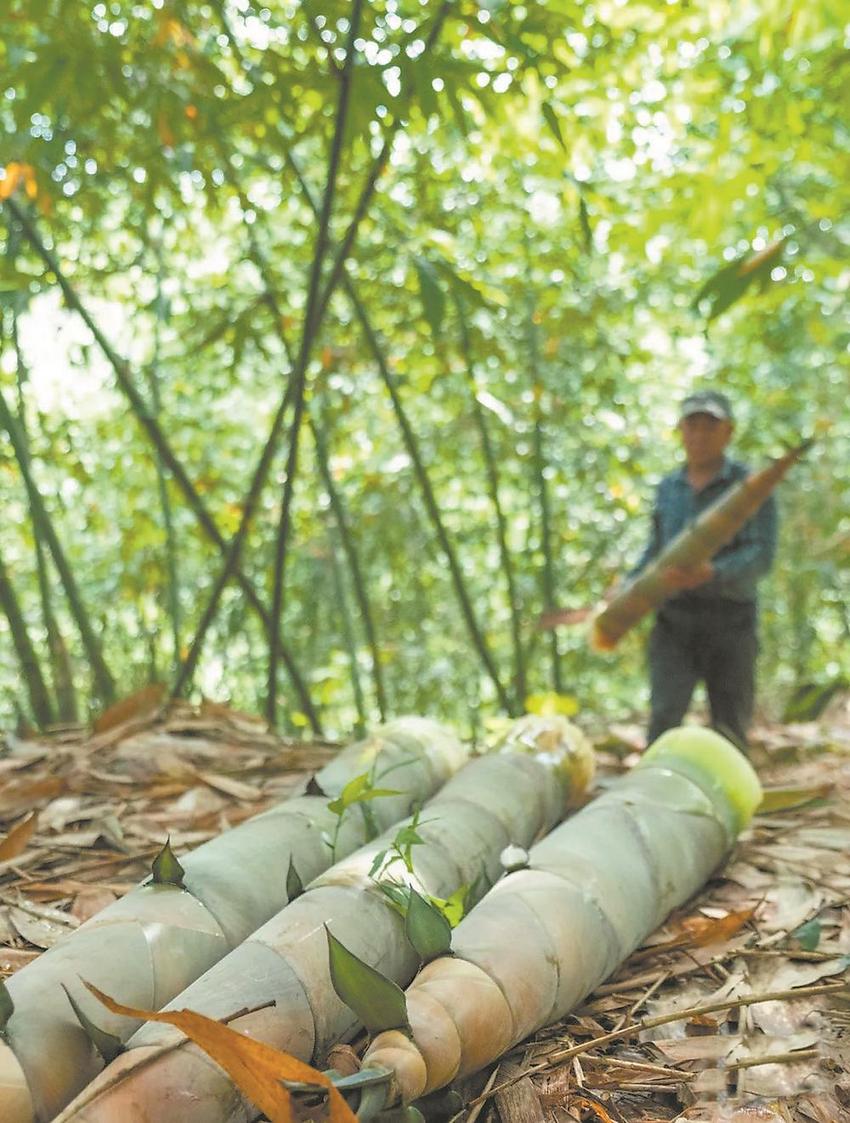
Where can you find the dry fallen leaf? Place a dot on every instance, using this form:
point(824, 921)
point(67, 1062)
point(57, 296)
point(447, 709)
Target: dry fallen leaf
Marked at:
point(255, 1067)
point(17, 840)
point(145, 701)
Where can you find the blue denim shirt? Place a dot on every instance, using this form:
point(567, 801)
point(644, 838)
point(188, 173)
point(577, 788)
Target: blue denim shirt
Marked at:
point(741, 562)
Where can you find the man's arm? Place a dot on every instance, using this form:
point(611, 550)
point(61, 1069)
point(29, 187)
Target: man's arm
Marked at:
point(653, 546)
point(755, 546)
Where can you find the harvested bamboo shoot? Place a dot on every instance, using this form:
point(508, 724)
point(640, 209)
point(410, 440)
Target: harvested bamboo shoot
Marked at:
point(495, 800)
point(543, 938)
point(697, 543)
point(150, 944)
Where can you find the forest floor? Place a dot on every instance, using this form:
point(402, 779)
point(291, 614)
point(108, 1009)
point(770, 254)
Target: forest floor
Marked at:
point(83, 812)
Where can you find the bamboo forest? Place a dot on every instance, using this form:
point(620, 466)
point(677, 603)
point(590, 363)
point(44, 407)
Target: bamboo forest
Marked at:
point(425, 571)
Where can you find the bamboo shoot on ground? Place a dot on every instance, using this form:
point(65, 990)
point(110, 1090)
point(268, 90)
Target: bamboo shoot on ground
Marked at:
point(510, 797)
point(150, 944)
point(697, 543)
point(544, 937)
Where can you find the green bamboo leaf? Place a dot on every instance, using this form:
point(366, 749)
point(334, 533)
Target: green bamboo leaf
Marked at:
point(808, 934)
point(358, 790)
point(551, 119)
point(426, 928)
point(107, 1044)
point(397, 894)
point(584, 223)
point(294, 884)
point(7, 1006)
point(433, 298)
point(166, 870)
point(453, 908)
point(375, 999)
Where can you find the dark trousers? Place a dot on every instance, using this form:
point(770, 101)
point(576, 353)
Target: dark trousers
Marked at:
point(710, 641)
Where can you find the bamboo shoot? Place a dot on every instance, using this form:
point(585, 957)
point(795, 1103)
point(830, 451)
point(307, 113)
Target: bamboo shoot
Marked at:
point(510, 797)
point(150, 944)
point(543, 938)
point(697, 543)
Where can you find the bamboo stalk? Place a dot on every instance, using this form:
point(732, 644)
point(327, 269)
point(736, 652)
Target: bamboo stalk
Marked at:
point(493, 485)
point(150, 944)
point(173, 592)
point(347, 630)
point(545, 507)
point(544, 937)
point(104, 684)
point(412, 447)
point(697, 543)
point(60, 663)
point(30, 667)
point(349, 548)
point(152, 428)
point(312, 322)
point(510, 796)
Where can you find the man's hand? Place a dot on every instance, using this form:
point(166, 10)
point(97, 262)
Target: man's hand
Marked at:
point(679, 577)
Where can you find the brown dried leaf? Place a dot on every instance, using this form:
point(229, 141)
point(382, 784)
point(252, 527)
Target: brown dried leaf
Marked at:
point(255, 1067)
point(235, 788)
point(17, 840)
point(88, 902)
point(699, 931)
point(146, 701)
point(20, 795)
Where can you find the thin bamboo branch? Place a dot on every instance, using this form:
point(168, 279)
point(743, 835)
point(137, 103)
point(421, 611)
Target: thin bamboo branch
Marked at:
point(173, 592)
point(412, 446)
point(323, 459)
point(421, 471)
point(634, 1028)
point(103, 681)
point(60, 663)
point(160, 443)
point(348, 634)
point(24, 649)
point(548, 574)
point(331, 283)
point(350, 550)
point(312, 320)
point(493, 485)
point(232, 556)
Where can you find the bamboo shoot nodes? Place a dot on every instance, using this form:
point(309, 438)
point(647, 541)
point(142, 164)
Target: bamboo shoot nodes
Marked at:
point(716, 766)
point(556, 742)
point(377, 1001)
point(166, 870)
point(427, 929)
point(107, 1044)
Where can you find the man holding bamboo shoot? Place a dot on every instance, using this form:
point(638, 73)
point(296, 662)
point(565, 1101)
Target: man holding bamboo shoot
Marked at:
point(706, 629)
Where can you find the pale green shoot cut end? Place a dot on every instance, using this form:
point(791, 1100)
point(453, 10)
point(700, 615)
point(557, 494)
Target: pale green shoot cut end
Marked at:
point(714, 763)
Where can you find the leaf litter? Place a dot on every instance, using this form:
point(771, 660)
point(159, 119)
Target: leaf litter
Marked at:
point(83, 813)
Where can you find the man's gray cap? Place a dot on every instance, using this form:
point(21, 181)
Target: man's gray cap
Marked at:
point(711, 402)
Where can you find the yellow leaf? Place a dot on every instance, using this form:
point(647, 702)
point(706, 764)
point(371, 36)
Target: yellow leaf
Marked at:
point(166, 135)
point(256, 1068)
point(551, 703)
point(783, 799)
point(16, 174)
point(16, 840)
